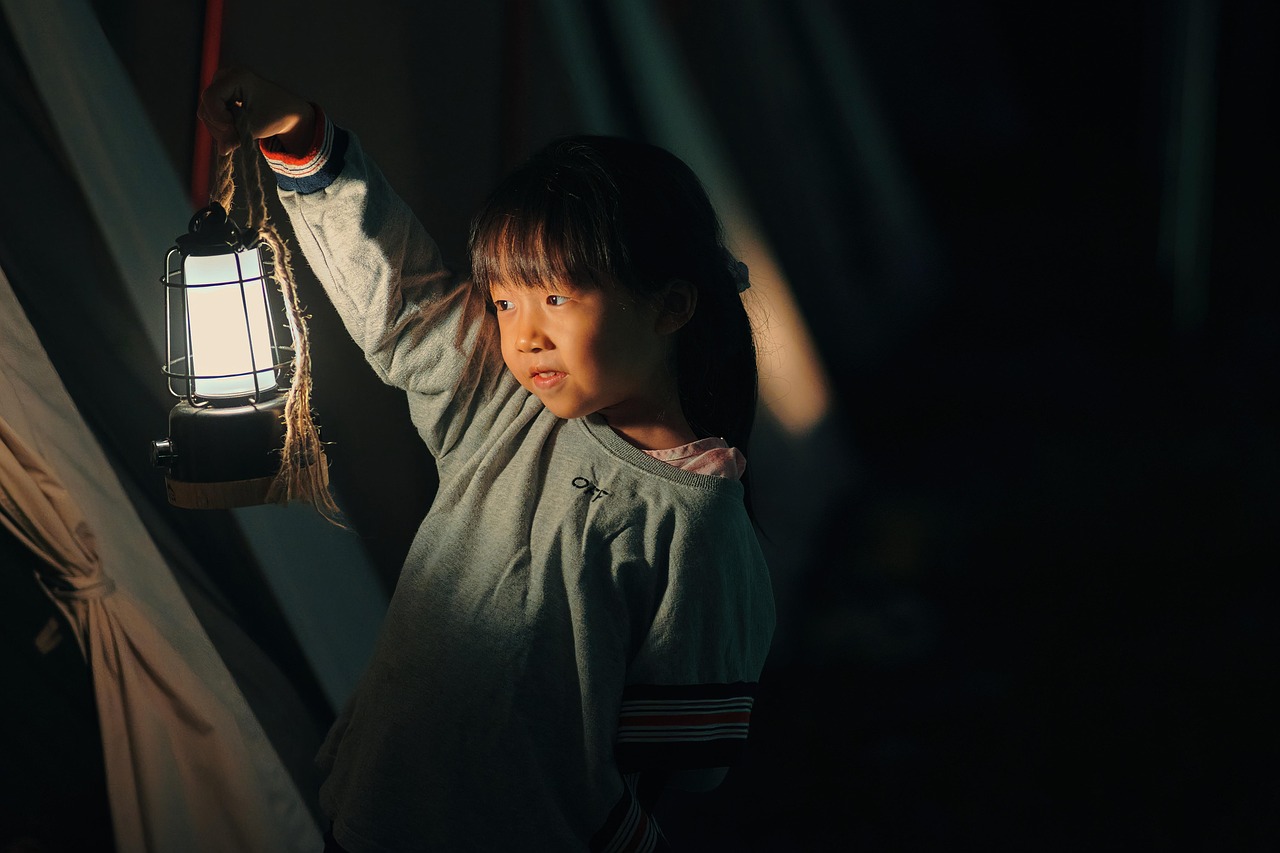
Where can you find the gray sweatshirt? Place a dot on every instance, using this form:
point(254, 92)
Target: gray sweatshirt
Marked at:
point(574, 618)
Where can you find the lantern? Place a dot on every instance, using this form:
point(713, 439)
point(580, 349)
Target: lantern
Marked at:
point(226, 365)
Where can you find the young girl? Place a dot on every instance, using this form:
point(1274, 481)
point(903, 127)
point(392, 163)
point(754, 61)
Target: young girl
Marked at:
point(585, 610)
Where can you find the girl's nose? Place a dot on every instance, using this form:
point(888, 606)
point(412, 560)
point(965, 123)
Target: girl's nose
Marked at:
point(529, 338)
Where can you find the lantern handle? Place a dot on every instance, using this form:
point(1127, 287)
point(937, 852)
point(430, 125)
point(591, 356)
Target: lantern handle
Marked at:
point(211, 214)
point(212, 229)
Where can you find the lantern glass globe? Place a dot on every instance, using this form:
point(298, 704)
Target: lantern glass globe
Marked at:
point(231, 338)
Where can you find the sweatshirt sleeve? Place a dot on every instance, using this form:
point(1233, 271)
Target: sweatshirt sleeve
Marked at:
point(416, 322)
point(690, 689)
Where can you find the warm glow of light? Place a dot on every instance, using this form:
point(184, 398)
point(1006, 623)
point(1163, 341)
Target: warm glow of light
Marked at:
point(229, 323)
point(793, 384)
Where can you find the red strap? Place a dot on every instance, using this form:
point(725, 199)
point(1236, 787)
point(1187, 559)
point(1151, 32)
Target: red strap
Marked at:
point(210, 54)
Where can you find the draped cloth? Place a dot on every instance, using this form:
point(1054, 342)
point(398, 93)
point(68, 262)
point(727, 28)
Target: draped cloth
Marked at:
point(188, 767)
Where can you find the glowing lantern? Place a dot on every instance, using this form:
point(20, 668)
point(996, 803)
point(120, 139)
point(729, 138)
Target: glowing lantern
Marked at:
point(225, 362)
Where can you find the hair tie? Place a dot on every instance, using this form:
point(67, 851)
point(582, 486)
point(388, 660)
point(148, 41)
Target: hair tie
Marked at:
point(737, 271)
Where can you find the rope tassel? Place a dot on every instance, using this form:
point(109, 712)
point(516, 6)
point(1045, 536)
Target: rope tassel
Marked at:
point(304, 471)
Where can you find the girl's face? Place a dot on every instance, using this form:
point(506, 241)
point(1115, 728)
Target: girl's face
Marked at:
point(583, 350)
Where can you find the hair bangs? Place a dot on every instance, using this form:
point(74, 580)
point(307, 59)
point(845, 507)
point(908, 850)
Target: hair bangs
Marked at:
point(543, 227)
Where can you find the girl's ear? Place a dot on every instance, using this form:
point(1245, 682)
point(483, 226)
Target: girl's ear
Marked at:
point(678, 300)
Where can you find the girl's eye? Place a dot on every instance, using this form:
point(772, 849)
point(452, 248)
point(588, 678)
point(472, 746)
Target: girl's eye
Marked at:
point(502, 304)
point(557, 300)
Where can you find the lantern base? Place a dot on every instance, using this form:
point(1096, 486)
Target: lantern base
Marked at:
point(220, 456)
point(230, 494)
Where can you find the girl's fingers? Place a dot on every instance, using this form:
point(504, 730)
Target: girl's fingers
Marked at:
point(269, 108)
point(230, 86)
point(221, 128)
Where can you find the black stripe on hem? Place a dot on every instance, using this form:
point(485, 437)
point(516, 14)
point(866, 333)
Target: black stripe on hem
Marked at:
point(686, 755)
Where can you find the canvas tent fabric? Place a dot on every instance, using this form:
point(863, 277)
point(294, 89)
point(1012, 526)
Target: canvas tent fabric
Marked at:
point(188, 765)
point(126, 183)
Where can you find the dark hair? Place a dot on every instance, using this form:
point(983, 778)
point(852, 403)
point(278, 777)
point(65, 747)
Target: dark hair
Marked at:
point(591, 209)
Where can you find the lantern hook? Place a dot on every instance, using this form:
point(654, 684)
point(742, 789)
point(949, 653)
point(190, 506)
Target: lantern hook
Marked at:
point(212, 231)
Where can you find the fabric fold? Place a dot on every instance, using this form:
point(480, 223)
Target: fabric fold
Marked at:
point(177, 767)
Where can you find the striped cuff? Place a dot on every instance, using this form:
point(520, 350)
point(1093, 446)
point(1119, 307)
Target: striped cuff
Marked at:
point(314, 170)
point(629, 828)
point(683, 727)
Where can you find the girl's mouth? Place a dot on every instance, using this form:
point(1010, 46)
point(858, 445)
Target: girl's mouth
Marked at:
point(545, 379)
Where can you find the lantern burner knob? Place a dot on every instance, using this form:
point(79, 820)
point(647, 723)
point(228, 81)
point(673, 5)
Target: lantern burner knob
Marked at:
point(162, 453)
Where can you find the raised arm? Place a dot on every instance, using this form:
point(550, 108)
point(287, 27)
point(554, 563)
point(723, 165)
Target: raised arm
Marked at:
point(412, 318)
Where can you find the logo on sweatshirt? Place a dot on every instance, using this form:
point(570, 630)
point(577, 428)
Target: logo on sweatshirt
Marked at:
point(589, 488)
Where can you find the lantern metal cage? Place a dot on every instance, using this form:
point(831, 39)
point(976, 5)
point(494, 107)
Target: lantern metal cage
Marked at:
point(228, 364)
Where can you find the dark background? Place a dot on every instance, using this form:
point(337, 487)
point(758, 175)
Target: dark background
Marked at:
point(1029, 604)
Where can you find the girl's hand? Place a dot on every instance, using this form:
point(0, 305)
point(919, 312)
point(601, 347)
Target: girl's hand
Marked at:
point(271, 109)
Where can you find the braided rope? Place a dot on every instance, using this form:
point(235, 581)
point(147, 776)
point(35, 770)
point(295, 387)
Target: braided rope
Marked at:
point(303, 474)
